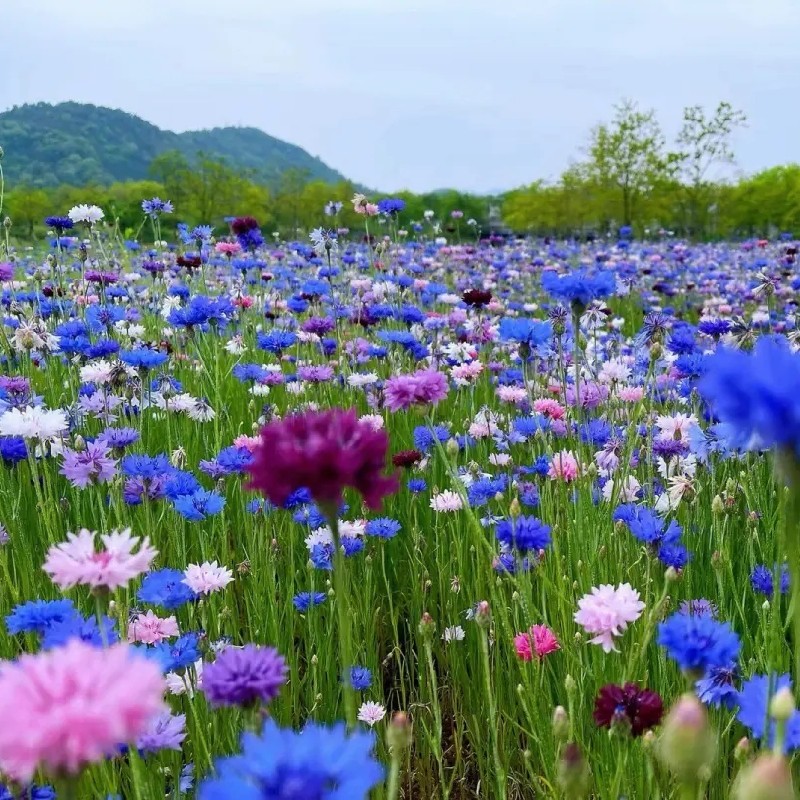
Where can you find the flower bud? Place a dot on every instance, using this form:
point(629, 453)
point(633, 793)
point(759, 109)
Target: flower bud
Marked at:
point(483, 614)
point(560, 723)
point(514, 509)
point(399, 733)
point(574, 776)
point(570, 685)
point(782, 706)
point(427, 626)
point(768, 778)
point(742, 750)
point(687, 744)
point(718, 505)
point(451, 448)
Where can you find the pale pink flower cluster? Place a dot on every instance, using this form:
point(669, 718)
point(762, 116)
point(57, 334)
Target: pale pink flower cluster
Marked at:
point(676, 427)
point(466, 373)
point(631, 394)
point(151, 629)
point(446, 501)
point(606, 612)
point(549, 408)
point(247, 442)
point(76, 562)
point(512, 394)
point(207, 577)
point(228, 248)
point(65, 708)
point(564, 467)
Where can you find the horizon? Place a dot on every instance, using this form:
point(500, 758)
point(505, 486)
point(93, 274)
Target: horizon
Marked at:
point(392, 111)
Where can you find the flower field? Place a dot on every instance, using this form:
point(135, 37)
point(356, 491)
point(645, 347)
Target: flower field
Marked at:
point(379, 514)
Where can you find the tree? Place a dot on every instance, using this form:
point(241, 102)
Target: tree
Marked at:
point(703, 143)
point(628, 156)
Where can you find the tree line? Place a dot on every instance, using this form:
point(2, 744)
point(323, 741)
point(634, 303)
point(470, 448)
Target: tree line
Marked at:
point(628, 176)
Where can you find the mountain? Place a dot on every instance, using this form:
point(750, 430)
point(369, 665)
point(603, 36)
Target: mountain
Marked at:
point(77, 144)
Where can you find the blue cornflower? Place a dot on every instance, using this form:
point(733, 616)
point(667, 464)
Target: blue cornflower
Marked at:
point(424, 437)
point(249, 372)
point(528, 426)
point(321, 556)
point(532, 332)
point(36, 616)
point(143, 358)
point(32, 792)
point(579, 287)
point(144, 466)
point(77, 627)
point(360, 678)
point(119, 438)
point(714, 327)
point(305, 600)
point(174, 656)
point(524, 533)
point(762, 579)
point(718, 687)
point(13, 449)
point(753, 701)
point(674, 554)
point(165, 588)
point(383, 527)
point(698, 643)
point(699, 607)
point(59, 224)
point(198, 506)
point(179, 483)
point(681, 340)
point(483, 490)
point(391, 206)
point(647, 526)
point(757, 394)
point(318, 763)
point(157, 206)
point(416, 485)
point(276, 340)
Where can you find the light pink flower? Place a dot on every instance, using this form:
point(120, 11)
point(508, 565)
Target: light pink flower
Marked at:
point(606, 612)
point(68, 707)
point(76, 562)
point(247, 442)
point(207, 577)
point(512, 394)
point(228, 248)
point(631, 394)
point(539, 640)
point(152, 629)
point(564, 467)
point(371, 713)
point(446, 501)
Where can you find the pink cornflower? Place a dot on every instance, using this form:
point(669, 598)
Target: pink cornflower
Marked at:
point(425, 387)
point(564, 467)
point(539, 640)
point(606, 612)
point(207, 577)
point(65, 708)
point(676, 427)
point(512, 394)
point(151, 629)
point(228, 248)
point(249, 443)
point(76, 562)
point(631, 394)
point(325, 452)
point(446, 501)
point(590, 395)
point(549, 408)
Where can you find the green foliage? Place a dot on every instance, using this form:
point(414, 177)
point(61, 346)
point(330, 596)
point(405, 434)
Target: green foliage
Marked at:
point(78, 144)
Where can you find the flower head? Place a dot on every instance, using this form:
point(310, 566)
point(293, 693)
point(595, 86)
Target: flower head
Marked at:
point(75, 705)
point(317, 764)
point(539, 640)
point(641, 709)
point(85, 213)
point(77, 562)
point(325, 452)
point(698, 643)
point(244, 675)
point(371, 713)
point(207, 577)
point(606, 612)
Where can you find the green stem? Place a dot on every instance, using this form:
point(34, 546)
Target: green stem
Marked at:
point(499, 772)
point(340, 590)
point(393, 786)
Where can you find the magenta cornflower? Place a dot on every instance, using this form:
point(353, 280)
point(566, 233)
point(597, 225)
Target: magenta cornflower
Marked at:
point(324, 452)
point(425, 387)
point(76, 562)
point(92, 465)
point(539, 640)
point(65, 708)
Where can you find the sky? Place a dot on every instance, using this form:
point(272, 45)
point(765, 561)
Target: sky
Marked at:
point(480, 95)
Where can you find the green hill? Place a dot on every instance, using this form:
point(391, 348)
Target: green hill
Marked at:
point(77, 144)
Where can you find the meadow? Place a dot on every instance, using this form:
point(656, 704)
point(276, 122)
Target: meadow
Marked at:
point(385, 514)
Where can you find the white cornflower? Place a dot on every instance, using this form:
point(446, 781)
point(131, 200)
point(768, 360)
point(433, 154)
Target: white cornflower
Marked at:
point(371, 713)
point(207, 577)
point(455, 633)
point(201, 411)
point(446, 501)
point(85, 213)
point(375, 421)
point(97, 372)
point(235, 346)
point(33, 422)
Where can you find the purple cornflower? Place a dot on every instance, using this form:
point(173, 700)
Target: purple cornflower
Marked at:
point(427, 386)
point(315, 374)
point(244, 676)
point(94, 464)
point(166, 732)
point(318, 325)
point(100, 276)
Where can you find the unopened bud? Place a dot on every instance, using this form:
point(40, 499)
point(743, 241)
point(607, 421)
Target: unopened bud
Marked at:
point(483, 614)
point(514, 509)
point(768, 778)
point(687, 744)
point(79, 445)
point(399, 734)
point(451, 448)
point(427, 626)
point(574, 776)
point(570, 685)
point(671, 575)
point(560, 723)
point(782, 705)
point(718, 505)
point(742, 750)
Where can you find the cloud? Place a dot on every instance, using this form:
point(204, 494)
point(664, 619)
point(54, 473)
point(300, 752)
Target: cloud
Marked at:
point(406, 93)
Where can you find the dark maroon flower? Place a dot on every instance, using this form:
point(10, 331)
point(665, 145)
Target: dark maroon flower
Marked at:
point(244, 224)
point(324, 452)
point(406, 458)
point(642, 709)
point(477, 298)
point(190, 262)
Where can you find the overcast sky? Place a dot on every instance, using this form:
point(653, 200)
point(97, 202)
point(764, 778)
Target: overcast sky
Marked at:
point(482, 95)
